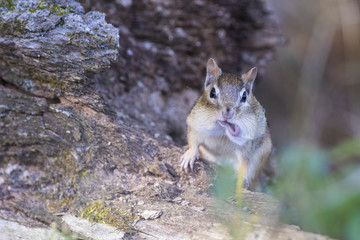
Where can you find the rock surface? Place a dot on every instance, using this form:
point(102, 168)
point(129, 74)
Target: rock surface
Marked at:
point(63, 147)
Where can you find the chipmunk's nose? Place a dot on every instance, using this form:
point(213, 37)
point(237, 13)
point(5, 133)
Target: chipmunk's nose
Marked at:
point(228, 113)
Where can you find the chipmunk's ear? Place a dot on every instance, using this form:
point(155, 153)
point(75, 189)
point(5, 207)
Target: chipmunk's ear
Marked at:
point(249, 78)
point(212, 72)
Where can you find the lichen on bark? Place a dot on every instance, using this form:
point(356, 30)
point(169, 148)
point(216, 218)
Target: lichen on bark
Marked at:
point(50, 45)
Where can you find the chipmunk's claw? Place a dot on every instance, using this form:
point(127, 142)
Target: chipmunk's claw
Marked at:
point(188, 159)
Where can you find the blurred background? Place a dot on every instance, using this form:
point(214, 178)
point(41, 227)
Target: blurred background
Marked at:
point(312, 96)
point(312, 89)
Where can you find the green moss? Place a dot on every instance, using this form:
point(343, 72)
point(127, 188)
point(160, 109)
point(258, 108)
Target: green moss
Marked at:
point(84, 40)
point(41, 5)
point(13, 28)
point(7, 4)
point(110, 40)
point(57, 9)
point(47, 78)
point(98, 212)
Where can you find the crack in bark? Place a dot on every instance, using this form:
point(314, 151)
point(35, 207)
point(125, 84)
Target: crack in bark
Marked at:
point(14, 87)
point(40, 113)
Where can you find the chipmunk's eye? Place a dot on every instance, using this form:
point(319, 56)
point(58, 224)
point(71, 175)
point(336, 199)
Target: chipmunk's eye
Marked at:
point(243, 97)
point(213, 93)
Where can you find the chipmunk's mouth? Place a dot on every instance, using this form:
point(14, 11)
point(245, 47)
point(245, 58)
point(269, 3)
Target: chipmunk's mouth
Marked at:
point(233, 129)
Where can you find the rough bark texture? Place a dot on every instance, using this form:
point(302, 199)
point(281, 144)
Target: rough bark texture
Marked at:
point(61, 145)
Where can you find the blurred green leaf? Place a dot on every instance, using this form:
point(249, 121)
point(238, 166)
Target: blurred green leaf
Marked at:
point(353, 229)
point(316, 198)
point(348, 148)
point(225, 183)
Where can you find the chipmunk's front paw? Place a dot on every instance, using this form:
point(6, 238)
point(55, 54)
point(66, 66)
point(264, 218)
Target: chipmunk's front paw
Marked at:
point(188, 159)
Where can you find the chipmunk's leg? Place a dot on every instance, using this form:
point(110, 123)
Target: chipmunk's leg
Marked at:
point(257, 162)
point(189, 157)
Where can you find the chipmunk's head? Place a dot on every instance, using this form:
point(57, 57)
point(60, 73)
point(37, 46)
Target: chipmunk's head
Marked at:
point(231, 97)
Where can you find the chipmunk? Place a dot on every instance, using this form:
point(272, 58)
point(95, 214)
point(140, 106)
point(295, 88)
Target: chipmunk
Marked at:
point(228, 123)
